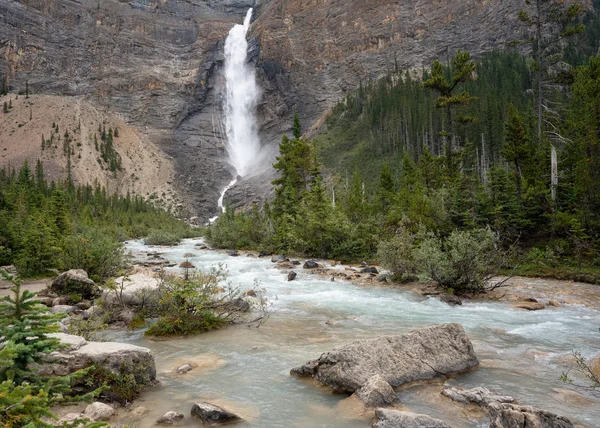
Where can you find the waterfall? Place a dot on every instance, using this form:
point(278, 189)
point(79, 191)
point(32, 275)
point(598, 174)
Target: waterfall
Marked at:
point(243, 144)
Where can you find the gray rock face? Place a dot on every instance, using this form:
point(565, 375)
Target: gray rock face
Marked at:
point(398, 419)
point(75, 281)
point(376, 392)
point(430, 353)
point(516, 416)
point(211, 414)
point(505, 412)
point(170, 418)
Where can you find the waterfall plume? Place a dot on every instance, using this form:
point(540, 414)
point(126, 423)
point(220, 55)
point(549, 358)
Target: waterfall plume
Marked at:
point(243, 144)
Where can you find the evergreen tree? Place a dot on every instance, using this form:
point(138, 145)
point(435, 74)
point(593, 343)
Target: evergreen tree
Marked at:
point(297, 129)
point(516, 149)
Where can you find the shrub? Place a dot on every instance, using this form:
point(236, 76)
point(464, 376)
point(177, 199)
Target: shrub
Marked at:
point(99, 254)
point(397, 254)
point(185, 324)
point(161, 237)
point(465, 261)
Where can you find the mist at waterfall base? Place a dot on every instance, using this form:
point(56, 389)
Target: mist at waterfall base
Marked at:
point(246, 370)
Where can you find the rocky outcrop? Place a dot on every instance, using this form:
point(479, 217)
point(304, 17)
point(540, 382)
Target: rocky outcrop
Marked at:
point(376, 392)
point(397, 419)
point(505, 412)
point(431, 353)
point(75, 281)
point(211, 414)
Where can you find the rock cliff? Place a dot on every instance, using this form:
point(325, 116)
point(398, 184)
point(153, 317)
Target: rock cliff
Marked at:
point(156, 63)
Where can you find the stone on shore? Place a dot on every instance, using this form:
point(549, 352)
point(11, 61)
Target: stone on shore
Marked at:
point(99, 412)
point(75, 281)
point(211, 414)
point(431, 353)
point(398, 419)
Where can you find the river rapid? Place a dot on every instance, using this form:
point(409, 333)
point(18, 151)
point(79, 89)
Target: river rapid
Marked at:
point(246, 370)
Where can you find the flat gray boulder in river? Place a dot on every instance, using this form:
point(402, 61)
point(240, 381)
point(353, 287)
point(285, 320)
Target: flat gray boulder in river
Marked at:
point(430, 353)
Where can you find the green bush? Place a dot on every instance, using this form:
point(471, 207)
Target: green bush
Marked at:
point(161, 237)
point(185, 324)
point(99, 254)
point(397, 254)
point(464, 261)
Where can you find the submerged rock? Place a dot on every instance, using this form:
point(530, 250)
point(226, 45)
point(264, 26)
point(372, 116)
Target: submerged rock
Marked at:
point(376, 392)
point(170, 418)
point(480, 396)
point(398, 419)
point(233, 253)
point(451, 299)
point(279, 258)
point(291, 276)
point(435, 352)
point(529, 305)
point(211, 414)
point(184, 368)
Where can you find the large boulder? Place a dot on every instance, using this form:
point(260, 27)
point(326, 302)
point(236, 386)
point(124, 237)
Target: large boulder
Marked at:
point(211, 414)
point(503, 415)
point(376, 392)
point(115, 363)
point(75, 281)
point(398, 419)
point(435, 352)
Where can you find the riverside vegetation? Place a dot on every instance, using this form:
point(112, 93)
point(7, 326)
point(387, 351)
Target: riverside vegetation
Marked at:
point(440, 175)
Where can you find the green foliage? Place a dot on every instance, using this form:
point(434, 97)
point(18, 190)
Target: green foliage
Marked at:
point(25, 395)
point(185, 324)
point(464, 261)
point(100, 255)
point(57, 225)
point(199, 303)
point(161, 237)
point(397, 254)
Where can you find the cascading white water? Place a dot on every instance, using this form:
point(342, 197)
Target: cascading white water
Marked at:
point(242, 97)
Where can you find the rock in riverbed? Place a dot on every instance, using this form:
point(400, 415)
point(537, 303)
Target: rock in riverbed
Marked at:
point(170, 418)
point(435, 352)
point(397, 419)
point(376, 392)
point(211, 414)
point(505, 412)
